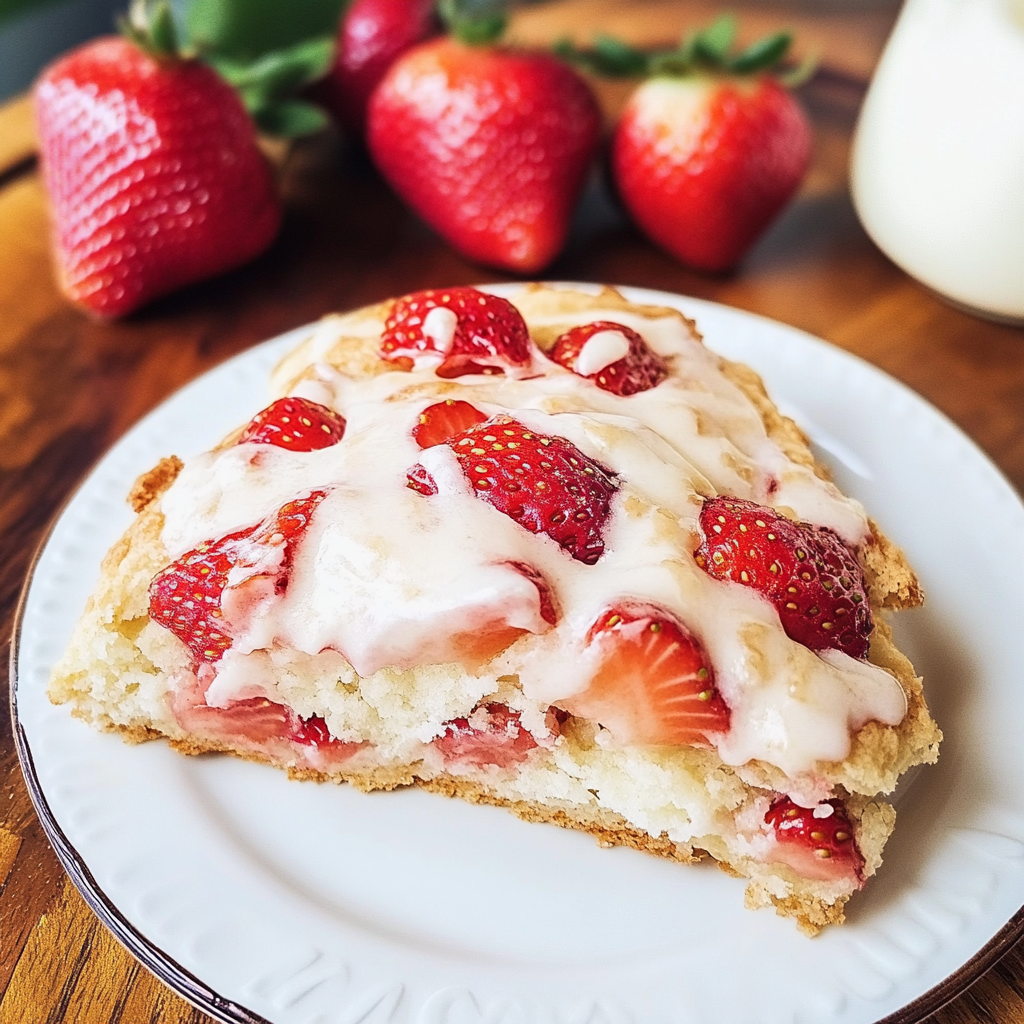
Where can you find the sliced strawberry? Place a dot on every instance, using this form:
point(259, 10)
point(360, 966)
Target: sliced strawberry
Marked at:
point(817, 843)
point(810, 576)
point(472, 332)
point(545, 483)
point(186, 596)
point(639, 368)
point(297, 424)
point(255, 722)
point(313, 732)
point(491, 735)
point(443, 420)
point(654, 682)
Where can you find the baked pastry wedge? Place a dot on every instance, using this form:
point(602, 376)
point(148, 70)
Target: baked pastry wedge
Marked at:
point(549, 553)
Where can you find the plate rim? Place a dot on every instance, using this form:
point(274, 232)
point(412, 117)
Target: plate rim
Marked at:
point(185, 984)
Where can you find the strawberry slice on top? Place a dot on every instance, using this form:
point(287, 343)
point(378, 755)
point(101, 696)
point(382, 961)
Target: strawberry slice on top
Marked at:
point(456, 331)
point(186, 596)
point(545, 483)
point(442, 420)
point(816, 842)
point(615, 357)
point(811, 577)
point(296, 424)
point(654, 682)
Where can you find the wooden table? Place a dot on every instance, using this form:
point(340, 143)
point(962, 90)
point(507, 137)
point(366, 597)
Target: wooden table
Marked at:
point(70, 387)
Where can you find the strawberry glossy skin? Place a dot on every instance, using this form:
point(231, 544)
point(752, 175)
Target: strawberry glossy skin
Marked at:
point(371, 36)
point(639, 370)
point(489, 146)
point(654, 682)
point(491, 735)
point(545, 483)
point(186, 596)
point(490, 335)
point(296, 424)
point(810, 576)
point(704, 164)
point(153, 175)
point(822, 849)
point(439, 422)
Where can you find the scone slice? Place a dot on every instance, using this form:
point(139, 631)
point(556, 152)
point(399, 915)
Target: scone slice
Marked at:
point(481, 684)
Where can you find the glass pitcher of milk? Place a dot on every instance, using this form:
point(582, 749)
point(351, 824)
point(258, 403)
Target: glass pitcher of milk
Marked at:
point(938, 158)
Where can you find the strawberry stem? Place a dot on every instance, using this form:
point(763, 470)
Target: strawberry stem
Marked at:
point(706, 50)
point(150, 25)
point(474, 22)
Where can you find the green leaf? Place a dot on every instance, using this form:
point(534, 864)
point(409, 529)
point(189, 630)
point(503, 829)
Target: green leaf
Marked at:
point(282, 71)
point(150, 25)
point(291, 119)
point(619, 59)
point(803, 72)
point(246, 29)
point(765, 53)
point(474, 22)
point(674, 63)
point(712, 44)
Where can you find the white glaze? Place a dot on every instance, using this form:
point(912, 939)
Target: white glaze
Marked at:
point(601, 350)
point(388, 576)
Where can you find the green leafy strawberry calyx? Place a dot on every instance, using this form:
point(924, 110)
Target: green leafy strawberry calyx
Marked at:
point(149, 24)
point(474, 22)
point(270, 84)
point(708, 51)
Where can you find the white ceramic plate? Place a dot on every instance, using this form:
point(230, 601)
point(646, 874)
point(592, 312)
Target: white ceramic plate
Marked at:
point(258, 897)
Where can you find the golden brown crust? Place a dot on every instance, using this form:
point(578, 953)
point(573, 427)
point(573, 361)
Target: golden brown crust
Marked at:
point(153, 483)
point(608, 829)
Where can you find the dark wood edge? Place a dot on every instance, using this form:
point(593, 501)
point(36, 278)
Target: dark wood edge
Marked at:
point(164, 967)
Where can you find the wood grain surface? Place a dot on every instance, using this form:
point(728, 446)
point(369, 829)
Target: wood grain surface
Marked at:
point(69, 387)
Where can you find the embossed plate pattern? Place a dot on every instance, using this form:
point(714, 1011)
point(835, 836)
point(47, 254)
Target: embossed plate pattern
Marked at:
point(258, 897)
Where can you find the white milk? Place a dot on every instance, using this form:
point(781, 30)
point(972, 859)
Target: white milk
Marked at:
point(938, 161)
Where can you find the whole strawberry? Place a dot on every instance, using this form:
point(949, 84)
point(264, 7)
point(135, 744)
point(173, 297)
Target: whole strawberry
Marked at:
point(372, 34)
point(709, 149)
point(489, 146)
point(153, 175)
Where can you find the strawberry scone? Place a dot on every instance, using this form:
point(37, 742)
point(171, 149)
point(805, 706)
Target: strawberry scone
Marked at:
point(549, 553)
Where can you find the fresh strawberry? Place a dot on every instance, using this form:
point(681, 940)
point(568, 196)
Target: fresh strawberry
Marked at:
point(153, 173)
point(545, 483)
point(372, 34)
point(817, 843)
point(313, 732)
point(296, 424)
point(491, 147)
point(491, 735)
point(186, 596)
point(456, 331)
point(443, 420)
point(639, 368)
point(806, 571)
point(254, 720)
point(709, 149)
point(654, 682)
